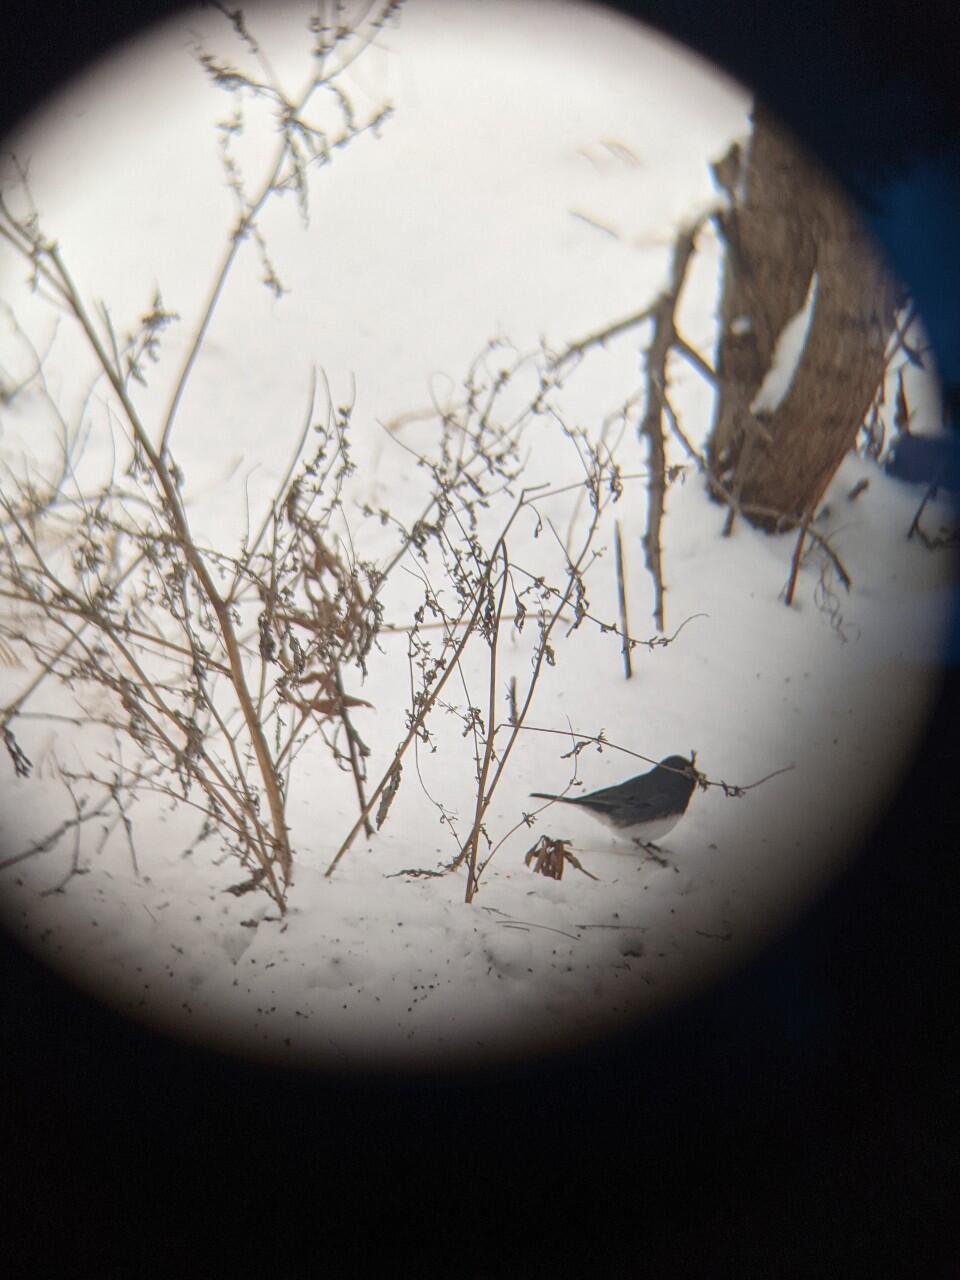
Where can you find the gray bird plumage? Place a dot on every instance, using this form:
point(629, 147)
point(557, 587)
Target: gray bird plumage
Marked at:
point(645, 807)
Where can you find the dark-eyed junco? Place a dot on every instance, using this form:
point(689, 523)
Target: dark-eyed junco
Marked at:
point(644, 808)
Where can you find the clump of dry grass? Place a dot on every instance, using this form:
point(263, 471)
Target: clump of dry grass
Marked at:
point(126, 601)
point(211, 669)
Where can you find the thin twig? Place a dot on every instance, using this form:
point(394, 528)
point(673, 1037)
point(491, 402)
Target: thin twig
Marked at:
point(622, 599)
point(795, 563)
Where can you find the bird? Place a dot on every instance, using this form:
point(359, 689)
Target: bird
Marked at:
point(644, 808)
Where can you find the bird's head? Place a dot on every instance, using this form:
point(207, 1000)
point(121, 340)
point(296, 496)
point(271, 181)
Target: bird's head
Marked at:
point(676, 763)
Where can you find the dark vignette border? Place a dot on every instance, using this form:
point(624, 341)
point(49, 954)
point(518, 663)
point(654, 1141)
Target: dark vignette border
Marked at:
point(800, 1120)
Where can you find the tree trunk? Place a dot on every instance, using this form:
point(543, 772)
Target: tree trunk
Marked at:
point(773, 465)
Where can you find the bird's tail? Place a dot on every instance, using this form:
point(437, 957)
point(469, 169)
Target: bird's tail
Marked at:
point(545, 795)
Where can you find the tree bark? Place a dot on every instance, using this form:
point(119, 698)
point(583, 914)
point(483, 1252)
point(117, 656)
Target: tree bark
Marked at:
point(793, 220)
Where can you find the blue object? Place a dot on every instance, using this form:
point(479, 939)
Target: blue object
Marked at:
point(927, 460)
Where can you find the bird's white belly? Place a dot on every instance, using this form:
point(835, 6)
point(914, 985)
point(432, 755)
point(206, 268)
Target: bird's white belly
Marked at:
point(646, 831)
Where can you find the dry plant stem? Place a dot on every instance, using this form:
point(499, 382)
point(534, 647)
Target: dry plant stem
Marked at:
point(473, 839)
point(83, 611)
point(54, 838)
point(693, 357)
point(753, 508)
point(353, 744)
point(622, 599)
point(666, 339)
point(225, 816)
point(174, 721)
point(13, 709)
point(279, 842)
point(729, 789)
point(406, 628)
point(246, 222)
point(272, 516)
point(773, 514)
point(410, 736)
point(429, 701)
point(736, 507)
point(601, 336)
point(795, 562)
point(140, 780)
point(516, 726)
point(262, 685)
point(75, 860)
point(484, 797)
point(223, 787)
point(663, 314)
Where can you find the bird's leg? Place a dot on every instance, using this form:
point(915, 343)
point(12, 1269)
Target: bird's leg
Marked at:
point(653, 851)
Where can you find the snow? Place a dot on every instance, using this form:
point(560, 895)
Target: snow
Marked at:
point(787, 353)
point(529, 184)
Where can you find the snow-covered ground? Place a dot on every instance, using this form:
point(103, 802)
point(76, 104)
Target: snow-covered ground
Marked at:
point(529, 184)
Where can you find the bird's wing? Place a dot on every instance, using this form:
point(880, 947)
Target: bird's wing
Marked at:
point(616, 798)
point(638, 810)
point(598, 800)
